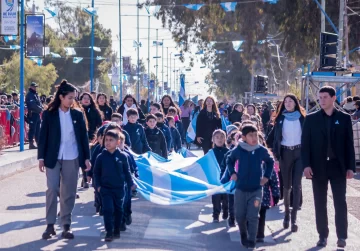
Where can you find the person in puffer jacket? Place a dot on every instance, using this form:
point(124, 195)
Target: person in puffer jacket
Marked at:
point(155, 137)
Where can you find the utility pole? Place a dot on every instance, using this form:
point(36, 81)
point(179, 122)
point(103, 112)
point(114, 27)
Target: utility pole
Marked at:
point(170, 73)
point(92, 50)
point(174, 77)
point(149, 77)
point(162, 71)
point(138, 54)
point(167, 66)
point(120, 54)
point(323, 5)
point(157, 55)
point(346, 37)
point(252, 84)
point(341, 32)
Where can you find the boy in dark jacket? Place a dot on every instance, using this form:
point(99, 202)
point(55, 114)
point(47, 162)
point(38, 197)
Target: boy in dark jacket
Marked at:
point(164, 128)
point(118, 119)
point(175, 135)
point(138, 140)
point(249, 181)
point(155, 137)
point(111, 172)
point(178, 124)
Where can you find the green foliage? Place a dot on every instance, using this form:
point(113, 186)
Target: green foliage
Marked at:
point(44, 76)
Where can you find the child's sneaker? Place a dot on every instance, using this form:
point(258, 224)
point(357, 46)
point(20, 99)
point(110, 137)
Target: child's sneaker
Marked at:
point(231, 222)
point(128, 220)
point(225, 215)
point(109, 237)
point(251, 245)
point(117, 234)
point(216, 219)
point(244, 239)
point(123, 226)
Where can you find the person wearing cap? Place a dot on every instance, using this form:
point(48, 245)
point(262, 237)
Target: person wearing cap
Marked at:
point(34, 108)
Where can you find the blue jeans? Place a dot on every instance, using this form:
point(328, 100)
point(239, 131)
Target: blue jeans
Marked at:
point(247, 207)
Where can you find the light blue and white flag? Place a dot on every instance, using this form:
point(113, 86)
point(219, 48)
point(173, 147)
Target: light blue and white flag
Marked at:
point(193, 6)
point(77, 60)
point(157, 43)
point(153, 9)
point(182, 95)
point(52, 11)
point(211, 44)
point(98, 49)
point(38, 61)
point(91, 11)
point(237, 45)
point(15, 47)
point(114, 87)
point(200, 52)
point(191, 131)
point(224, 122)
point(70, 51)
point(136, 44)
point(9, 38)
point(100, 58)
point(271, 1)
point(55, 55)
point(220, 52)
point(228, 6)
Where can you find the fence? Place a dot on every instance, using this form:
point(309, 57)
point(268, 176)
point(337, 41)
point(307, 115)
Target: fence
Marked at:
point(10, 127)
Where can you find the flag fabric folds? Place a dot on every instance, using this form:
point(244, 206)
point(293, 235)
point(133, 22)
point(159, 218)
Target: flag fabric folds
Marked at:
point(194, 6)
point(191, 131)
point(52, 11)
point(55, 55)
point(153, 10)
point(9, 38)
point(77, 60)
point(180, 179)
point(70, 51)
point(91, 11)
point(228, 6)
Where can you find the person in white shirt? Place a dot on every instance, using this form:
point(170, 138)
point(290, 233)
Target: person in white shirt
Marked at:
point(287, 150)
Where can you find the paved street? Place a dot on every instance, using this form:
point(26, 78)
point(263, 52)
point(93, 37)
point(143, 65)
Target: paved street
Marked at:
point(186, 227)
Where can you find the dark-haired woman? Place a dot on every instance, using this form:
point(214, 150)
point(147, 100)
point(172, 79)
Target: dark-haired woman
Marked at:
point(236, 114)
point(207, 122)
point(185, 117)
point(63, 148)
point(130, 102)
point(287, 149)
point(104, 106)
point(93, 114)
point(166, 103)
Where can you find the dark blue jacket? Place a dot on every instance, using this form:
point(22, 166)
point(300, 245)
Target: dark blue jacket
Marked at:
point(94, 121)
point(127, 138)
point(112, 170)
point(224, 171)
point(50, 137)
point(176, 139)
point(273, 186)
point(250, 167)
point(157, 141)
point(33, 103)
point(220, 153)
point(179, 125)
point(138, 140)
point(95, 153)
point(166, 131)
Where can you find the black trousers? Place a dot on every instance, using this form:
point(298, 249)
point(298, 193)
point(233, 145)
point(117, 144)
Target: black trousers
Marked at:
point(34, 127)
point(337, 181)
point(112, 204)
point(127, 202)
point(262, 219)
point(220, 201)
point(231, 206)
point(206, 145)
point(186, 123)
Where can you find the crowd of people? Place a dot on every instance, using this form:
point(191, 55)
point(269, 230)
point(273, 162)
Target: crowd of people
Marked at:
point(264, 148)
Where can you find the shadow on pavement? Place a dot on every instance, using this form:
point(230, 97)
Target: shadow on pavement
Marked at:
point(16, 225)
point(26, 206)
point(37, 194)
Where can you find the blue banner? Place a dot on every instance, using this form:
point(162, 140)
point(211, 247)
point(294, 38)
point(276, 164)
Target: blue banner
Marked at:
point(182, 96)
point(35, 29)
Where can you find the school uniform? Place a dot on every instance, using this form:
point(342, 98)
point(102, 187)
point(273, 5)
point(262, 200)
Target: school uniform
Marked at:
point(180, 127)
point(97, 198)
point(176, 139)
point(64, 147)
point(166, 131)
point(107, 111)
point(94, 121)
point(138, 140)
point(157, 141)
point(127, 138)
point(111, 174)
point(206, 124)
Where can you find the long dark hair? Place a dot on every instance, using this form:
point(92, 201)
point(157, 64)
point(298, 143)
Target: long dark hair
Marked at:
point(63, 89)
point(92, 105)
point(214, 108)
point(236, 106)
point(106, 100)
point(171, 103)
point(298, 107)
point(130, 96)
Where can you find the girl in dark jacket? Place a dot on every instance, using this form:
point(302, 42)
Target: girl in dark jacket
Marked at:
point(93, 114)
point(236, 114)
point(130, 102)
point(207, 122)
point(167, 102)
point(103, 104)
point(287, 149)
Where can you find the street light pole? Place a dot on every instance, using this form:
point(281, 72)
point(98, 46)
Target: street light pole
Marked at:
point(162, 67)
point(148, 103)
point(138, 54)
point(156, 78)
point(22, 97)
point(120, 55)
point(167, 66)
point(92, 51)
point(170, 73)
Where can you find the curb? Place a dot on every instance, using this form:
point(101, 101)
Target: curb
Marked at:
point(15, 167)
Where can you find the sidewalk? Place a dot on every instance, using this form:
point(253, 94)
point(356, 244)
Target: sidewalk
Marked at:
point(13, 161)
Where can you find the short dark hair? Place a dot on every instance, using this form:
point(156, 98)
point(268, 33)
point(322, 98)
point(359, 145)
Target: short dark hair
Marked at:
point(14, 94)
point(172, 109)
point(237, 124)
point(245, 130)
point(143, 101)
point(349, 99)
point(157, 105)
point(117, 115)
point(328, 89)
point(150, 116)
point(113, 134)
point(356, 98)
point(132, 111)
point(357, 102)
point(159, 115)
point(170, 118)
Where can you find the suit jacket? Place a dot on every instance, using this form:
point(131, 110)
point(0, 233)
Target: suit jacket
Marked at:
point(314, 143)
point(50, 137)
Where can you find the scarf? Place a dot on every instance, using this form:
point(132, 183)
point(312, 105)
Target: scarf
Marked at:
point(291, 116)
point(248, 147)
point(126, 108)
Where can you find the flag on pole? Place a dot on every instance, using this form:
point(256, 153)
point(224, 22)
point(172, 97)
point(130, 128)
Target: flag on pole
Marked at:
point(228, 6)
point(237, 45)
point(191, 131)
point(55, 55)
point(52, 11)
point(153, 9)
point(182, 95)
point(77, 60)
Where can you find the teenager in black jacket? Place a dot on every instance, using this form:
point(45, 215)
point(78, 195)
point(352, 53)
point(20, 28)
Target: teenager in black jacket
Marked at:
point(236, 114)
point(164, 128)
point(102, 102)
point(155, 137)
point(93, 114)
point(207, 122)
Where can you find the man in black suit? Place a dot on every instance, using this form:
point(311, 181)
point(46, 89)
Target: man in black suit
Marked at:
point(328, 155)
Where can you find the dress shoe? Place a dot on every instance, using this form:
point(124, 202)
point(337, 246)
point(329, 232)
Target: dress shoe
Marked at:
point(49, 232)
point(122, 226)
point(322, 242)
point(128, 220)
point(260, 240)
point(251, 245)
point(294, 227)
point(231, 222)
point(117, 234)
point(216, 219)
point(67, 233)
point(341, 243)
point(109, 237)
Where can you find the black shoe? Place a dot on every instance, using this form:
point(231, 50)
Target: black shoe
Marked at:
point(32, 146)
point(97, 208)
point(117, 234)
point(251, 245)
point(286, 222)
point(109, 237)
point(58, 214)
point(122, 227)
point(231, 222)
point(322, 242)
point(77, 196)
point(128, 220)
point(341, 243)
point(67, 233)
point(215, 219)
point(294, 227)
point(244, 239)
point(225, 216)
point(50, 231)
point(260, 240)
point(86, 184)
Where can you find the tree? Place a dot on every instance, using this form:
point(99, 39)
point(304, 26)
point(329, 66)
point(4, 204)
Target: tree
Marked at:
point(44, 76)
